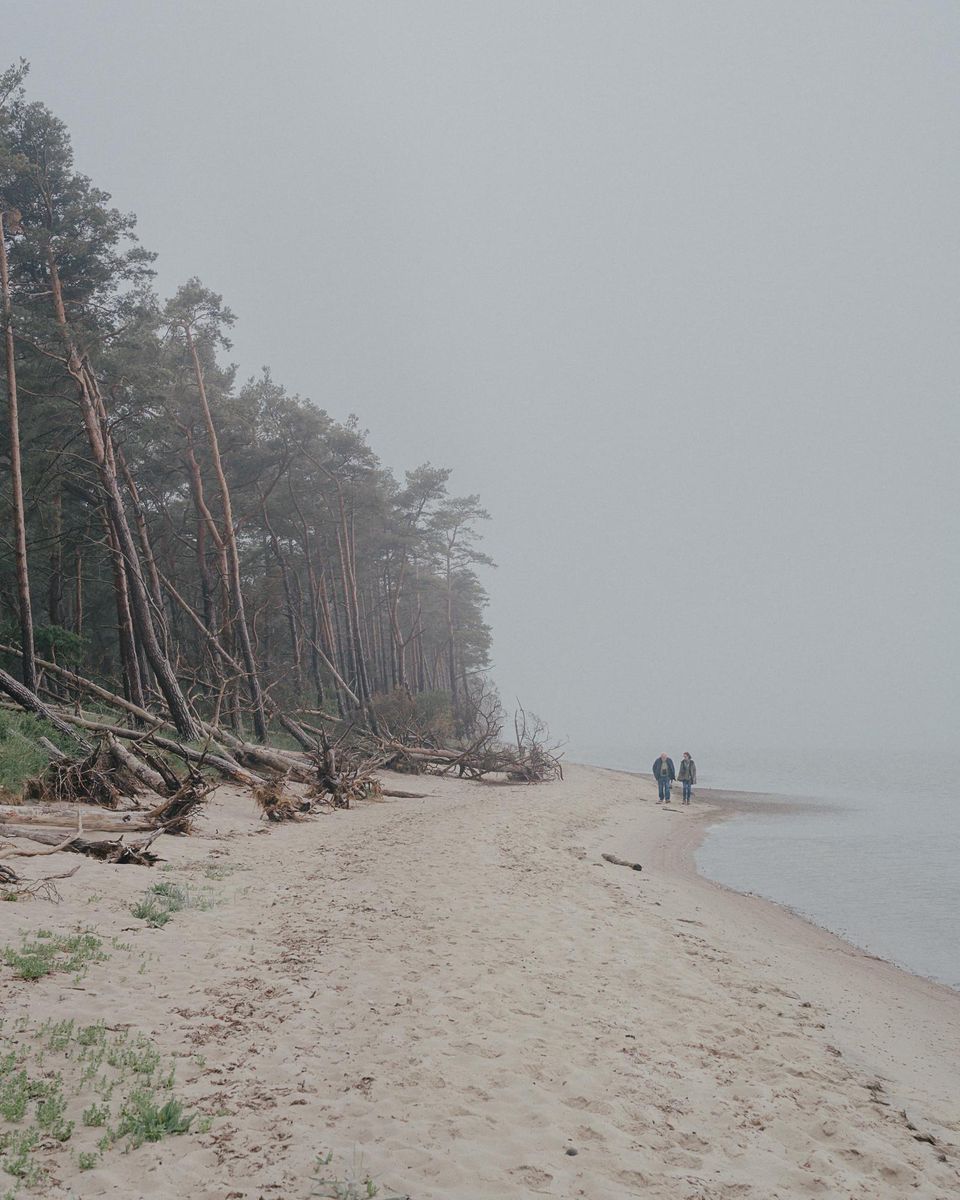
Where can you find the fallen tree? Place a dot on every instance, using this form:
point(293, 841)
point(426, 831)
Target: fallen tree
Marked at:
point(104, 850)
point(127, 773)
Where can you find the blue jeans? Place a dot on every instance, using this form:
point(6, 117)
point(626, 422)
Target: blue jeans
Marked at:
point(663, 786)
point(687, 789)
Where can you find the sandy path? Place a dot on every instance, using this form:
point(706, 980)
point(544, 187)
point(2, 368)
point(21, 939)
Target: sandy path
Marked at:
point(457, 988)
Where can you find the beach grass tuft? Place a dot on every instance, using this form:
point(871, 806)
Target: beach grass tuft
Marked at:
point(356, 1184)
point(162, 901)
point(47, 952)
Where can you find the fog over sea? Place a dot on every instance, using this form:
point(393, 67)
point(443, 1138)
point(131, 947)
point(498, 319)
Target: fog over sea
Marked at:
point(877, 860)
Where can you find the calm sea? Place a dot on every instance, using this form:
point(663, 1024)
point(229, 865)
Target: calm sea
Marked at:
point(878, 861)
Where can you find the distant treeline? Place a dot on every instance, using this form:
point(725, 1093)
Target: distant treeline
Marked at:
point(217, 550)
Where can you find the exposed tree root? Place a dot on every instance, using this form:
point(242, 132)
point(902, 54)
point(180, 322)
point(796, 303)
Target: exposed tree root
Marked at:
point(95, 779)
point(276, 803)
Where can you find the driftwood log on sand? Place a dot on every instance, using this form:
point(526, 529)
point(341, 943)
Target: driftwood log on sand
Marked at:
point(58, 816)
point(117, 851)
point(621, 862)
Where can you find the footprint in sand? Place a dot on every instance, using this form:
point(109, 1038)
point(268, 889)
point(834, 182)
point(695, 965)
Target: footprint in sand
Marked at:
point(532, 1177)
point(632, 1179)
point(586, 1134)
point(584, 1105)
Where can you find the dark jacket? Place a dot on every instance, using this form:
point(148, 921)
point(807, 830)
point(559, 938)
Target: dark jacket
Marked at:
point(688, 770)
point(669, 769)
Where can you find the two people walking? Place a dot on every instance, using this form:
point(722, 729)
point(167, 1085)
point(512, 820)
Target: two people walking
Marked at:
point(664, 774)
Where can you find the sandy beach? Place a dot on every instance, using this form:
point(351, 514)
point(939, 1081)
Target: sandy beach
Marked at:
point(455, 993)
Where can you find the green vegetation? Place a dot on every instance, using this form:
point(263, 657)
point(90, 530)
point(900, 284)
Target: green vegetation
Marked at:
point(48, 952)
point(355, 1184)
point(161, 901)
point(144, 1119)
point(21, 755)
point(96, 1115)
point(57, 1085)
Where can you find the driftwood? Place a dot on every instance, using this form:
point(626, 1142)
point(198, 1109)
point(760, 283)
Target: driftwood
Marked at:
point(141, 770)
point(57, 816)
point(473, 762)
point(176, 813)
point(16, 852)
point(621, 862)
point(106, 851)
point(56, 754)
point(215, 756)
point(118, 851)
point(13, 885)
point(276, 760)
point(218, 758)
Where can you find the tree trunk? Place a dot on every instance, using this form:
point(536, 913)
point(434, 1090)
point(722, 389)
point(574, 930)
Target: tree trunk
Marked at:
point(233, 555)
point(287, 597)
point(353, 612)
point(78, 592)
point(452, 652)
point(55, 585)
point(16, 477)
point(32, 703)
point(91, 406)
point(133, 686)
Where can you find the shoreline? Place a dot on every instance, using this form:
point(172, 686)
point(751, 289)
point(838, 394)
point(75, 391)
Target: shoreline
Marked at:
point(863, 1032)
point(728, 803)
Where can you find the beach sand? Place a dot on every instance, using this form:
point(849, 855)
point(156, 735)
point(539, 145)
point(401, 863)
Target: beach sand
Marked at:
point(454, 992)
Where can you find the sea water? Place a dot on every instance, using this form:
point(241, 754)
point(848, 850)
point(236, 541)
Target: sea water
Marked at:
point(876, 859)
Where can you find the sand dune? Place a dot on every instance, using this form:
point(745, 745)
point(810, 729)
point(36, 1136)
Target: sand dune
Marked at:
point(460, 993)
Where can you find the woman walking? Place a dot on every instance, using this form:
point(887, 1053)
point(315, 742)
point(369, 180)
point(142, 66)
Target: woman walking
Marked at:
point(687, 775)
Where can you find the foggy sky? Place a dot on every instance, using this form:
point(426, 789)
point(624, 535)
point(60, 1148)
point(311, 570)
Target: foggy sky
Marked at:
point(673, 285)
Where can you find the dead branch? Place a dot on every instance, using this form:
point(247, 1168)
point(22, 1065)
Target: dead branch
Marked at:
point(11, 851)
point(177, 813)
point(44, 888)
point(621, 862)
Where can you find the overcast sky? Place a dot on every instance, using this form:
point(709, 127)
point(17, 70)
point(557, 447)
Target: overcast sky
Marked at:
point(673, 285)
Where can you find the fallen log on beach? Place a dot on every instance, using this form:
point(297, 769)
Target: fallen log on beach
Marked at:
point(621, 862)
point(56, 816)
point(104, 850)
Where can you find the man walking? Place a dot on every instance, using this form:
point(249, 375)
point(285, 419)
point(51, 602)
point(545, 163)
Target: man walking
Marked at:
point(663, 773)
point(688, 775)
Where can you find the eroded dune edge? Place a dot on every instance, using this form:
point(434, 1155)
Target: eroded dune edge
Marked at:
point(449, 995)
